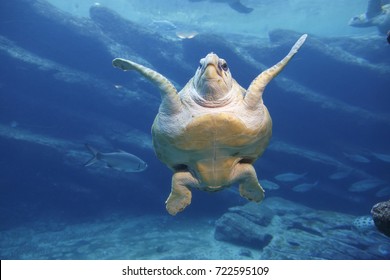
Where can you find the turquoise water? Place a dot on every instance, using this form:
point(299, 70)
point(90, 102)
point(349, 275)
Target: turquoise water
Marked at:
point(328, 18)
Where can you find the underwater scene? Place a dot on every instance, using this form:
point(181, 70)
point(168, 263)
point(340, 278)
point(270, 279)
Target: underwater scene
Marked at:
point(85, 176)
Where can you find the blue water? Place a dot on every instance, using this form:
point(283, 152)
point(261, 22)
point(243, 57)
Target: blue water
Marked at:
point(58, 90)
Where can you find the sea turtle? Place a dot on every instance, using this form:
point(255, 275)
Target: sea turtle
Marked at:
point(377, 14)
point(212, 131)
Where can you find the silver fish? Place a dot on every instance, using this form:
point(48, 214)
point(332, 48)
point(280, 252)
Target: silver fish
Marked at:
point(340, 175)
point(289, 177)
point(269, 185)
point(121, 160)
point(357, 158)
point(382, 157)
point(383, 192)
point(304, 187)
point(365, 185)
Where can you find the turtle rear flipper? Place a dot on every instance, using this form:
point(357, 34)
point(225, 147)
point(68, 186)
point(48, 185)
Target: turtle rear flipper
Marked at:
point(249, 185)
point(180, 196)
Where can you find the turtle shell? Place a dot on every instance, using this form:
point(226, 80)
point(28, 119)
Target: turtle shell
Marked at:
point(211, 144)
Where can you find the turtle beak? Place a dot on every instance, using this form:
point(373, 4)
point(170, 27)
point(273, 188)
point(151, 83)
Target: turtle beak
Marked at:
point(210, 68)
point(210, 72)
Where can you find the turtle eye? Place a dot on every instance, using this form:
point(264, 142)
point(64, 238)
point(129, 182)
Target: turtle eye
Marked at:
point(224, 66)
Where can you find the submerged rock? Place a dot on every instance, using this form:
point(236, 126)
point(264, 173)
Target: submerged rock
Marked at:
point(236, 229)
point(293, 231)
point(381, 214)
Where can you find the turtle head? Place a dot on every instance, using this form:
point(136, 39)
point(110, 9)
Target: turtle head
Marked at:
point(212, 82)
point(360, 21)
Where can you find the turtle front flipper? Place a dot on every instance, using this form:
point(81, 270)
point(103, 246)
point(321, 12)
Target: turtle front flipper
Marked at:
point(374, 8)
point(254, 93)
point(170, 98)
point(180, 196)
point(249, 188)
